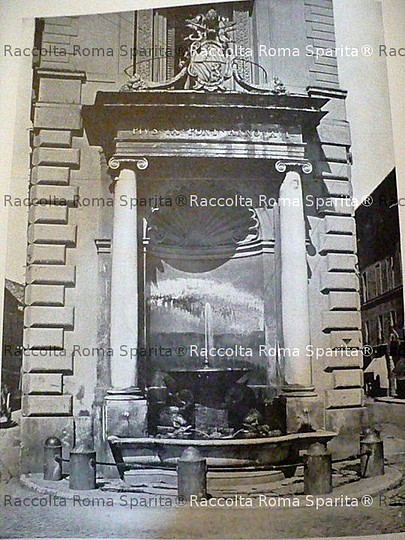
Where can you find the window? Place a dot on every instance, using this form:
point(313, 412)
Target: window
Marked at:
point(393, 318)
point(366, 332)
point(380, 330)
point(364, 286)
point(378, 279)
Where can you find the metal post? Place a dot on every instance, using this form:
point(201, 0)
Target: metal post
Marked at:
point(317, 470)
point(82, 475)
point(372, 464)
point(53, 459)
point(192, 474)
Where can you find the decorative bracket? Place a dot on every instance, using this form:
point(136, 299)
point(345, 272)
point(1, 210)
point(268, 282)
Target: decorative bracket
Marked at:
point(116, 162)
point(281, 166)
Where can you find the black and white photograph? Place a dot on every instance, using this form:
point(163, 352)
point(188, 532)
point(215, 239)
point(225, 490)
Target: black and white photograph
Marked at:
point(201, 269)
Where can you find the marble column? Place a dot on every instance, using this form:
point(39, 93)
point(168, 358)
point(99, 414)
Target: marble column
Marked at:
point(294, 284)
point(124, 284)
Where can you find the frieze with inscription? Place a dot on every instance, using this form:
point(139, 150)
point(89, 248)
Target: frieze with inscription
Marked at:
point(274, 134)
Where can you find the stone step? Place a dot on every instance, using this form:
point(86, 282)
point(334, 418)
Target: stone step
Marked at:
point(240, 480)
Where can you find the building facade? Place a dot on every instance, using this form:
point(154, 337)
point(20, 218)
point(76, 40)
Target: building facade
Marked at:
point(135, 129)
point(379, 252)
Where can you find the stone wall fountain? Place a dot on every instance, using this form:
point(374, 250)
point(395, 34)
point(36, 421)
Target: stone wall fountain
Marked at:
point(208, 408)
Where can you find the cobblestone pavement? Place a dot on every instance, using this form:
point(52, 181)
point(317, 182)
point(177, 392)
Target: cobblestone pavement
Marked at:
point(76, 520)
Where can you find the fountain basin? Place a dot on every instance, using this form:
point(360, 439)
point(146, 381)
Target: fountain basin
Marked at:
point(221, 453)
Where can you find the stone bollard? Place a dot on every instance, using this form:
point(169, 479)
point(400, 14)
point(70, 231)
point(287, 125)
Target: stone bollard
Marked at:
point(373, 463)
point(192, 474)
point(53, 459)
point(317, 470)
point(82, 472)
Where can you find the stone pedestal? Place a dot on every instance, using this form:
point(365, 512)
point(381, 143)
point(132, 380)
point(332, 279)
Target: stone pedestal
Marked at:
point(125, 415)
point(301, 410)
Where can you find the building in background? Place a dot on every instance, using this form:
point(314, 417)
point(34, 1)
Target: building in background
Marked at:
point(12, 343)
point(379, 244)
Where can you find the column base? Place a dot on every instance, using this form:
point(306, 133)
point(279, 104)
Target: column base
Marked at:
point(302, 409)
point(125, 413)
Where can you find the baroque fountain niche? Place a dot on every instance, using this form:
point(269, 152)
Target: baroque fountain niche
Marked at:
point(206, 306)
point(209, 278)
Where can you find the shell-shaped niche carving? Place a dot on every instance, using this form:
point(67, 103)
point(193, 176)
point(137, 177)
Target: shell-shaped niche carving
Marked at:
point(194, 229)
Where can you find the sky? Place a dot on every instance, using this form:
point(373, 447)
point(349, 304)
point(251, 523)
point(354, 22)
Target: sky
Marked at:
point(357, 22)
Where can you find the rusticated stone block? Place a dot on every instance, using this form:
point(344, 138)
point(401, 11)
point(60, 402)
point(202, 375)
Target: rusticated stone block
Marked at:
point(337, 243)
point(352, 397)
point(343, 300)
point(45, 295)
point(342, 359)
point(337, 206)
point(56, 156)
point(52, 234)
point(43, 338)
point(345, 338)
point(43, 175)
point(46, 254)
point(46, 405)
point(339, 224)
point(338, 171)
point(343, 281)
point(53, 138)
point(51, 275)
point(49, 317)
point(335, 153)
point(338, 188)
point(346, 378)
point(57, 116)
point(341, 320)
point(42, 383)
point(58, 195)
point(62, 90)
point(336, 262)
point(48, 214)
point(337, 132)
point(48, 361)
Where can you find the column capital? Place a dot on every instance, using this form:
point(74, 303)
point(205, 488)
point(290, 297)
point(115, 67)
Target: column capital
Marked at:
point(118, 162)
point(282, 165)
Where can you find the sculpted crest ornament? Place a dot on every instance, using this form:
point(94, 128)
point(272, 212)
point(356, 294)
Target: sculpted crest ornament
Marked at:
point(209, 62)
